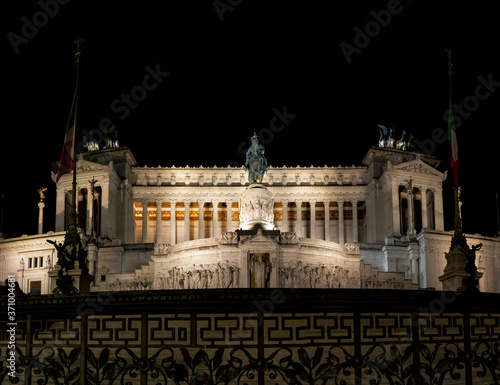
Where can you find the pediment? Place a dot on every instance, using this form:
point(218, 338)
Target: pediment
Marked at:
point(86, 166)
point(261, 239)
point(418, 166)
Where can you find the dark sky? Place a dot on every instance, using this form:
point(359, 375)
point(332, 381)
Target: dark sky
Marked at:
point(226, 77)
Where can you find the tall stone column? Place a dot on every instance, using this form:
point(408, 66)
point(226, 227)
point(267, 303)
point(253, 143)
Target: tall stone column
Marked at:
point(313, 219)
point(355, 236)
point(186, 220)
point(229, 209)
point(341, 221)
point(41, 205)
point(159, 202)
point(396, 215)
point(89, 209)
point(215, 218)
point(298, 230)
point(423, 203)
point(201, 220)
point(144, 221)
point(327, 220)
point(173, 203)
point(438, 209)
point(285, 215)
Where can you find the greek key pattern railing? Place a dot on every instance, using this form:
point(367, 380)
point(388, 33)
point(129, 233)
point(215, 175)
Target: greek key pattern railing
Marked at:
point(283, 343)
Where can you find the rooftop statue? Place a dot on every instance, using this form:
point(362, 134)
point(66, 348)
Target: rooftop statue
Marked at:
point(256, 163)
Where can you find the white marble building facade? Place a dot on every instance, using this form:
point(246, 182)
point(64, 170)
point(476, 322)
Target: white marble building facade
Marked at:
point(174, 227)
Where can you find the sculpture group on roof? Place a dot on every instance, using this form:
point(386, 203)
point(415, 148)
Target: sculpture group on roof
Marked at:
point(388, 139)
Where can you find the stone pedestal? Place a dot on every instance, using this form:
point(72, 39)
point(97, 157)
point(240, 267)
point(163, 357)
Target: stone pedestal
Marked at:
point(81, 279)
point(257, 208)
point(454, 272)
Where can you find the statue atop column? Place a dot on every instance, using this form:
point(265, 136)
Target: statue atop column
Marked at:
point(256, 163)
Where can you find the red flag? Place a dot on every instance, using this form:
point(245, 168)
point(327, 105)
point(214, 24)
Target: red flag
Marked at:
point(67, 161)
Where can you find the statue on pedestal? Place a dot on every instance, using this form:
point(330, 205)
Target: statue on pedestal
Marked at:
point(256, 163)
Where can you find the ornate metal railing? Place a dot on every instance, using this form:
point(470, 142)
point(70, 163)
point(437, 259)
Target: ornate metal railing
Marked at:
point(241, 336)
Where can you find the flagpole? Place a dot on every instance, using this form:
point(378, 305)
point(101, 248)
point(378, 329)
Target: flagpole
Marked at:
point(458, 219)
point(72, 232)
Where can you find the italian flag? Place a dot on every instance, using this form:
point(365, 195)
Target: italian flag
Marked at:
point(67, 161)
point(452, 136)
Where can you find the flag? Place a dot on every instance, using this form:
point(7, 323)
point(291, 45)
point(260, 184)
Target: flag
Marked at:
point(67, 162)
point(452, 136)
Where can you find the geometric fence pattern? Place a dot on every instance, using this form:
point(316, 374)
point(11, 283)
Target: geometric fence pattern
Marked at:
point(267, 336)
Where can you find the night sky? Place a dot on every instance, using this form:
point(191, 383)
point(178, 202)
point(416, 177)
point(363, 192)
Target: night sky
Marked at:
point(228, 77)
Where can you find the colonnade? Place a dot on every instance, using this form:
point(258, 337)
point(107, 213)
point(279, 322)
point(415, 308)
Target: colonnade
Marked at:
point(285, 223)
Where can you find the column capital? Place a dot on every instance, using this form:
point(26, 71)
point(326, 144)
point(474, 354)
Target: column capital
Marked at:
point(284, 202)
point(215, 202)
point(159, 202)
point(145, 202)
point(298, 202)
point(187, 203)
point(201, 203)
point(340, 202)
point(229, 202)
point(354, 202)
point(327, 203)
point(173, 202)
point(312, 202)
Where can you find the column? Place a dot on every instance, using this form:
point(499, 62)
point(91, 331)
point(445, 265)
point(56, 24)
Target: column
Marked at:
point(298, 230)
point(60, 209)
point(215, 219)
point(313, 219)
point(229, 209)
point(201, 220)
point(172, 221)
point(144, 221)
point(89, 208)
point(341, 221)
point(284, 226)
point(396, 221)
point(354, 203)
point(423, 203)
point(186, 220)
point(41, 205)
point(327, 220)
point(438, 209)
point(159, 202)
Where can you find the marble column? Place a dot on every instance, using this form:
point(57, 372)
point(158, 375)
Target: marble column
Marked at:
point(186, 220)
point(341, 221)
point(354, 203)
point(215, 218)
point(89, 208)
point(396, 215)
point(41, 205)
point(229, 210)
point(438, 209)
point(201, 220)
point(298, 230)
point(423, 203)
point(172, 221)
point(313, 218)
point(327, 220)
point(284, 225)
point(144, 221)
point(159, 202)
